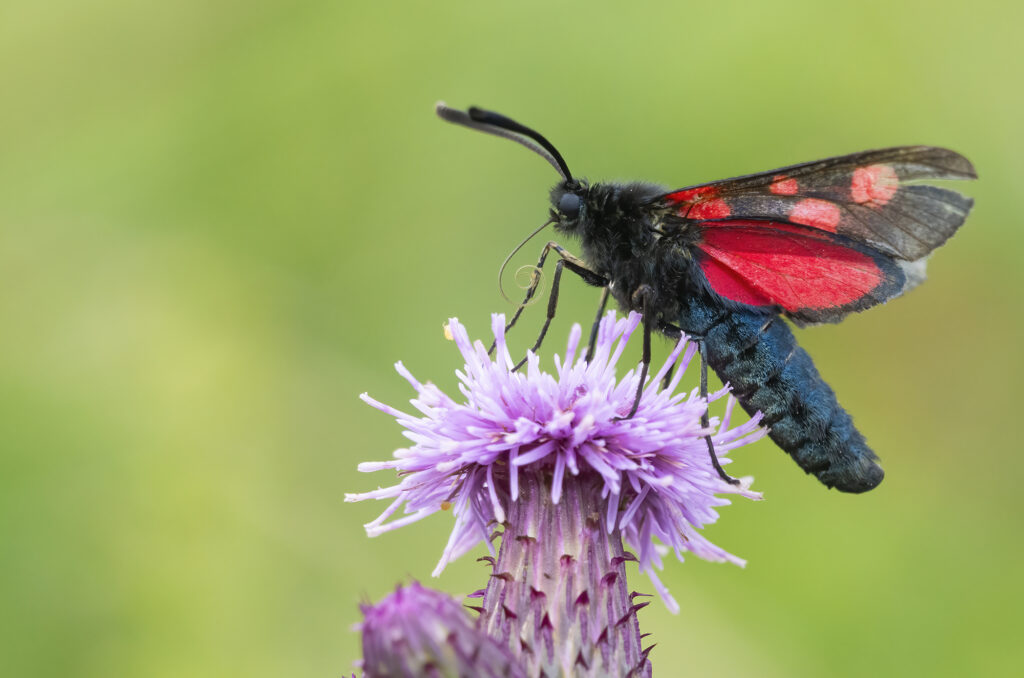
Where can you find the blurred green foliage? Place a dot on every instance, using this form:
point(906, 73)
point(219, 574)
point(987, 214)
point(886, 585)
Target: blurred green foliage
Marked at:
point(221, 222)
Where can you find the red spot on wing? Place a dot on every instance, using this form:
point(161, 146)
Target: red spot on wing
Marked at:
point(784, 186)
point(766, 263)
point(693, 194)
point(700, 203)
point(875, 184)
point(708, 209)
point(816, 214)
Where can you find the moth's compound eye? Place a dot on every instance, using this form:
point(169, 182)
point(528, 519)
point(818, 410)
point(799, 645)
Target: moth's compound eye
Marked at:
point(569, 205)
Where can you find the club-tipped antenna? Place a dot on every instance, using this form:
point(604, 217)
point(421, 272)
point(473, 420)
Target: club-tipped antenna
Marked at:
point(498, 125)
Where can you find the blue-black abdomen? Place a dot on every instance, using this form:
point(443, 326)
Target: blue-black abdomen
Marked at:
point(758, 356)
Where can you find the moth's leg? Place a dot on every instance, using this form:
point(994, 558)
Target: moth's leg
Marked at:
point(574, 263)
point(592, 342)
point(643, 295)
point(705, 419)
point(674, 332)
point(530, 291)
point(552, 306)
point(667, 379)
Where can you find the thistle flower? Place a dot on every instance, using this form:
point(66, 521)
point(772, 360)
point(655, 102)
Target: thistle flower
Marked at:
point(550, 458)
point(654, 467)
point(416, 631)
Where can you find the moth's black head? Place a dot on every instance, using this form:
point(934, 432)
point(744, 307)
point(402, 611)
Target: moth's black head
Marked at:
point(568, 204)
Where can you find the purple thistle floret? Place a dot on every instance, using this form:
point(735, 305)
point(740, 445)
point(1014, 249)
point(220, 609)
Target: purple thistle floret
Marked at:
point(656, 477)
point(417, 631)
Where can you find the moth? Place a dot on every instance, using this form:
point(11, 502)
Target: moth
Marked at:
point(724, 263)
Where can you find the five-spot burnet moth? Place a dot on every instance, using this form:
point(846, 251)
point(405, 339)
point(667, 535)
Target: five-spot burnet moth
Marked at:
point(724, 262)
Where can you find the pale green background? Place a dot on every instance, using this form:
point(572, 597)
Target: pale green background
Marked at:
point(221, 222)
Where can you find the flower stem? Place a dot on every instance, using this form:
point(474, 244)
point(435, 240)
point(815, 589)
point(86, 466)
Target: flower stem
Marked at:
point(558, 592)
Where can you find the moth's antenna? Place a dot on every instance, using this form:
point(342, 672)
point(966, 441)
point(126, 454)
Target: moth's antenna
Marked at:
point(501, 271)
point(500, 126)
point(499, 120)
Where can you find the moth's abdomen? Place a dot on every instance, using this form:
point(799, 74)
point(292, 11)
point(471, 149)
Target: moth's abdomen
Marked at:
point(759, 357)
